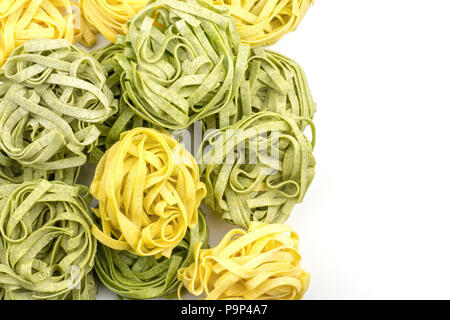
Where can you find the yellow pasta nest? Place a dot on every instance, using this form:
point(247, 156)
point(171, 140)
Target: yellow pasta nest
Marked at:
point(149, 191)
point(109, 17)
point(22, 20)
point(262, 263)
point(264, 22)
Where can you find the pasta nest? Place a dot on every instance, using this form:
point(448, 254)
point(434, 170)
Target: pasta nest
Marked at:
point(261, 264)
point(272, 82)
point(149, 191)
point(263, 22)
point(109, 17)
point(135, 277)
point(258, 168)
point(180, 61)
point(52, 96)
point(23, 20)
point(46, 248)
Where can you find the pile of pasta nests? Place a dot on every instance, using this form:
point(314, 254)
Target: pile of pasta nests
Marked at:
point(171, 64)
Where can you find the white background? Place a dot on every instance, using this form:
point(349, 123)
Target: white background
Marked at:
point(375, 222)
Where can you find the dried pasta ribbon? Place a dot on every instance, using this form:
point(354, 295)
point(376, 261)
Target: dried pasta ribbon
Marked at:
point(52, 96)
point(84, 32)
point(273, 83)
point(149, 191)
point(181, 59)
point(261, 264)
point(125, 119)
point(13, 172)
point(110, 17)
point(46, 247)
point(258, 168)
point(22, 20)
point(264, 22)
point(135, 277)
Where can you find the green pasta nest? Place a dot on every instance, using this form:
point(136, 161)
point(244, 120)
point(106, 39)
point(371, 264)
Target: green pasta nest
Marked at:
point(258, 168)
point(52, 97)
point(135, 277)
point(272, 82)
point(180, 62)
point(46, 246)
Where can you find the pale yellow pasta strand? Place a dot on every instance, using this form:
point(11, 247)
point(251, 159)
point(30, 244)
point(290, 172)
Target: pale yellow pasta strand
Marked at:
point(149, 191)
point(261, 264)
point(263, 22)
point(109, 17)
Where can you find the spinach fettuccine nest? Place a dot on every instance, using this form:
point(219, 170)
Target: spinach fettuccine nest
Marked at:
point(46, 247)
point(52, 97)
point(258, 168)
point(181, 60)
point(22, 20)
point(135, 277)
point(272, 82)
point(149, 190)
point(263, 22)
point(261, 264)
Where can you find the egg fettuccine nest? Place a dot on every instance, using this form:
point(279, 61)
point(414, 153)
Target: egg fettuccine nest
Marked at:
point(261, 264)
point(110, 17)
point(23, 20)
point(264, 22)
point(149, 191)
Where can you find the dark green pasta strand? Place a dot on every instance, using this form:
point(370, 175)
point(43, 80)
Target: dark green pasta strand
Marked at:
point(135, 277)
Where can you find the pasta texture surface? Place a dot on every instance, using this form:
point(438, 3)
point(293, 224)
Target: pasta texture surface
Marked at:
point(149, 190)
point(261, 264)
